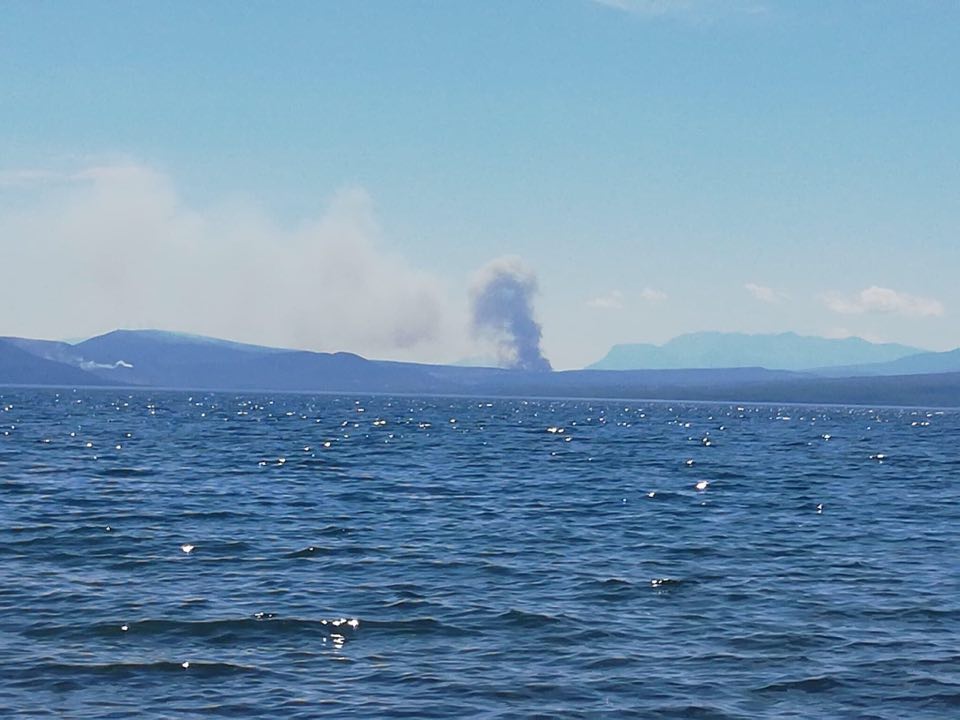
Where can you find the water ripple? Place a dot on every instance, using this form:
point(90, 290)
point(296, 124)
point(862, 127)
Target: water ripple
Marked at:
point(167, 554)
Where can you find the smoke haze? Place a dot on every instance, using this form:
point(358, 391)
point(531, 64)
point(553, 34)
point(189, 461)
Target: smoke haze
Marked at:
point(119, 246)
point(502, 309)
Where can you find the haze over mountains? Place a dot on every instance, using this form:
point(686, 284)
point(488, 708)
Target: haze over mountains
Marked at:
point(157, 359)
point(921, 364)
point(784, 351)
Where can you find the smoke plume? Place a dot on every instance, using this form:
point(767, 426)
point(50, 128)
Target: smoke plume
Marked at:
point(120, 246)
point(501, 301)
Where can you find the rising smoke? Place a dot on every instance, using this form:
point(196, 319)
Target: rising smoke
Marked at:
point(501, 301)
point(122, 247)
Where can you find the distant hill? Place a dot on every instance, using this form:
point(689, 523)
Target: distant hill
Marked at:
point(784, 351)
point(920, 364)
point(20, 367)
point(166, 359)
point(150, 358)
point(170, 360)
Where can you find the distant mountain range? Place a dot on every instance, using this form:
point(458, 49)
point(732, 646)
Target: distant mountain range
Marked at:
point(19, 366)
point(921, 364)
point(157, 359)
point(784, 351)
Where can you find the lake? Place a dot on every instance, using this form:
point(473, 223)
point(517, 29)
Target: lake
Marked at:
point(175, 554)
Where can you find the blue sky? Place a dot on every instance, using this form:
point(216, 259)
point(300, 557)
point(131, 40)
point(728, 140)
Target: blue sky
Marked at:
point(332, 175)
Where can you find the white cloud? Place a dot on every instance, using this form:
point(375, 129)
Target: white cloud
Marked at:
point(838, 333)
point(652, 295)
point(32, 177)
point(764, 293)
point(117, 246)
point(878, 300)
point(648, 7)
point(692, 9)
point(842, 333)
point(40, 178)
point(613, 300)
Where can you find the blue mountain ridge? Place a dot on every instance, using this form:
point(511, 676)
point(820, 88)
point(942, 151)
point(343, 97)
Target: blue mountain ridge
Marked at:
point(783, 351)
point(19, 366)
point(919, 364)
point(156, 359)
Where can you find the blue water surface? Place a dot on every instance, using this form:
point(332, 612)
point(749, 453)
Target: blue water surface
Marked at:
point(168, 554)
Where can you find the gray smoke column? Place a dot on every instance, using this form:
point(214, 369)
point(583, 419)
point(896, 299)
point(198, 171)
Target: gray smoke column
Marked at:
point(501, 300)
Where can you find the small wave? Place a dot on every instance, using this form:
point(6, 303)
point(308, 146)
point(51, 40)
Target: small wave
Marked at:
point(608, 590)
point(408, 604)
point(818, 684)
point(728, 475)
point(665, 583)
point(334, 530)
point(260, 625)
point(914, 613)
point(127, 669)
point(708, 712)
point(125, 472)
point(948, 700)
point(323, 552)
point(524, 619)
point(614, 583)
point(309, 551)
point(416, 626)
point(497, 569)
point(614, 662)
point(792, 642)
point(215, 515)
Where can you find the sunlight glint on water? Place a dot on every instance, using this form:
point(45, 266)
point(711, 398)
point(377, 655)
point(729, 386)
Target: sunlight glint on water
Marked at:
point(296, 556)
